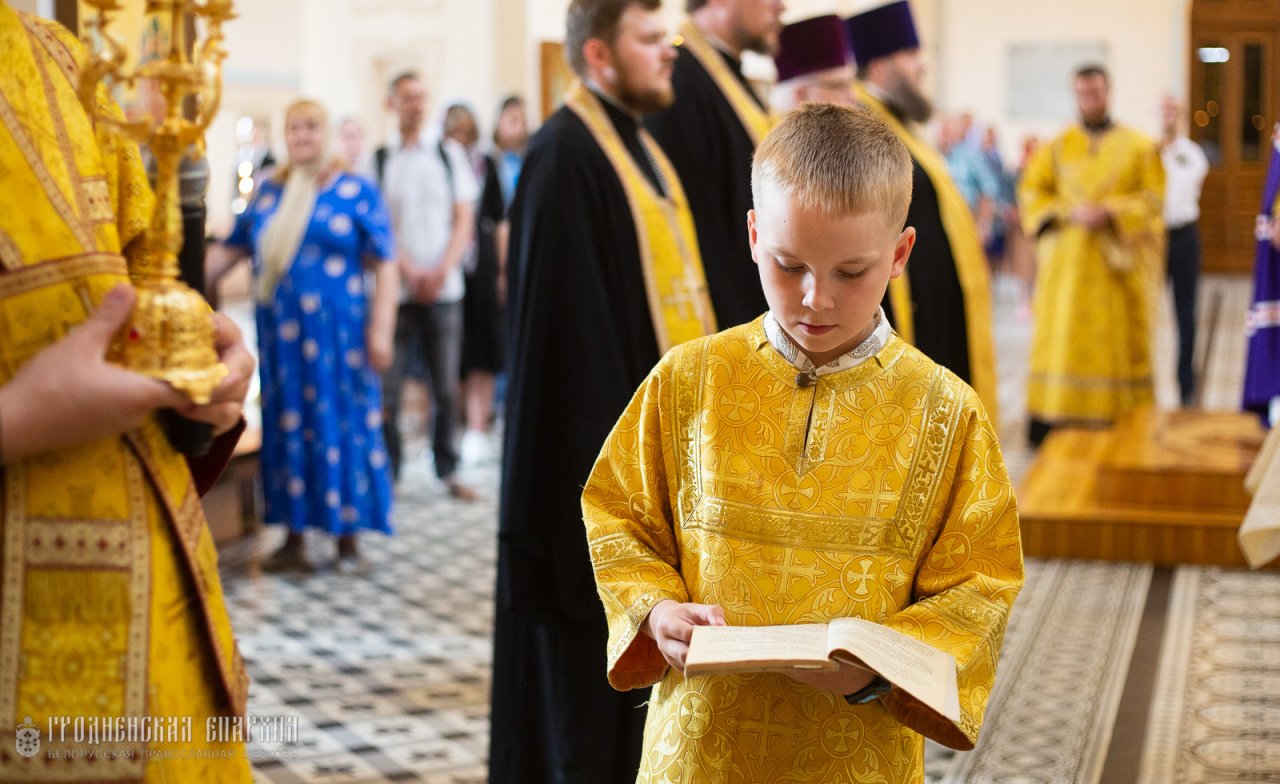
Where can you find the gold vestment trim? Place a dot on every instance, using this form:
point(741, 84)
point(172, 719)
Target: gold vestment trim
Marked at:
point(676, 285)
point(900, 535)
point(48, 273)
point(757, 122)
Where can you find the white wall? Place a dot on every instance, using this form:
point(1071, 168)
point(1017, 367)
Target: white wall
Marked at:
point(343, 51)
point(1146, 41)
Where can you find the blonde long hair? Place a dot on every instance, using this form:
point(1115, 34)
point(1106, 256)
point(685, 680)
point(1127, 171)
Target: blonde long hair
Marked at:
point(285, 230)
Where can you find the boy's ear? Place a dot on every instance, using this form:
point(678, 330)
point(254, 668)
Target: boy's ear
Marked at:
point(902, 251)
point(751, 234)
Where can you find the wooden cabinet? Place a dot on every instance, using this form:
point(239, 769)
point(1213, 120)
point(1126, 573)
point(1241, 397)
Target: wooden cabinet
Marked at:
point(1234, 102)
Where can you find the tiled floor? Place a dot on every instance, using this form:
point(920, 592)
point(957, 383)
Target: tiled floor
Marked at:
point(388, 672)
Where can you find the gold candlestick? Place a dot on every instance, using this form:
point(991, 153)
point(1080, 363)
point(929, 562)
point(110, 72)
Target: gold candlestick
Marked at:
point(170, 335)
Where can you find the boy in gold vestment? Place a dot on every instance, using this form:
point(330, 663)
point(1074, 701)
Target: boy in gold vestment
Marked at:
point(806, 466)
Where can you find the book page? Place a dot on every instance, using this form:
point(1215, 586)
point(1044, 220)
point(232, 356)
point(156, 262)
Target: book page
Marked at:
point(754, 648)
point(924, 672)
point(1259, 535)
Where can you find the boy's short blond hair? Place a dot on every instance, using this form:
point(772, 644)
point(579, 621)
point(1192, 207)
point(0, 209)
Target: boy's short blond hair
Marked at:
point(837, 160)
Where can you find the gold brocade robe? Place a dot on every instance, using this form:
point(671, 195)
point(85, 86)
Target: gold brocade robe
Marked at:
point(110, 599)
point(876, 492)
point(966, 251)
point(1095, 289)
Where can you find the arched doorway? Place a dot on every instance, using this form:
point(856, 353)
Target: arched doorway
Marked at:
point(1235, 76)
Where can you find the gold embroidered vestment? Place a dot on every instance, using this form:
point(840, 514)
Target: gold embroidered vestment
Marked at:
point(1095, 289)
point(110, 598)
point(876, 492)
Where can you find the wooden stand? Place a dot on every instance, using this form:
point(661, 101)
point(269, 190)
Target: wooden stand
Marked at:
point(1159, 486)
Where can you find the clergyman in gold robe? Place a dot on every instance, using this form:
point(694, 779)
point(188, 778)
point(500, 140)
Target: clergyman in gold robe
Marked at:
point(111, 610)
point(1093, 199)
point(806, 466)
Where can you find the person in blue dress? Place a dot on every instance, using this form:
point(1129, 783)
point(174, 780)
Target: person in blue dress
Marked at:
point(312, 230)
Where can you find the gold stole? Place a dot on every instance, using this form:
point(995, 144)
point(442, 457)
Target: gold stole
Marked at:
point(673, 276)
point(757, 121)
point(966, 249)
point(79, 523)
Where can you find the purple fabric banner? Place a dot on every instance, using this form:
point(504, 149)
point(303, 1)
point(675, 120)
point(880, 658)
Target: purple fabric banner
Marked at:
point(1262, 326)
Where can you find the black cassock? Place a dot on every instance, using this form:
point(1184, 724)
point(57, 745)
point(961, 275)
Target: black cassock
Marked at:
point(580, 343)
point(937, 300)
point(711, 152)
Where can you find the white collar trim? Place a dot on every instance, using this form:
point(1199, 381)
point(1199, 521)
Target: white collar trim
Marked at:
point(784, 345)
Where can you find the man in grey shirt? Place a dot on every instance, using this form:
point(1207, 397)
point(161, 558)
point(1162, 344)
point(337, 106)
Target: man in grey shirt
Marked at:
point(431, 192)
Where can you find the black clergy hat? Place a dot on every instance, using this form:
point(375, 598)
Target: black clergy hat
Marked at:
point(882, 30)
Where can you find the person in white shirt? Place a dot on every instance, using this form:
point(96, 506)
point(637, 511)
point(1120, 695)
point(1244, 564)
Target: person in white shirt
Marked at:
point(431, 192)
point(1185, 166)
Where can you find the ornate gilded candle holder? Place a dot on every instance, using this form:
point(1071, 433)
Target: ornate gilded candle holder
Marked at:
point(170, 335)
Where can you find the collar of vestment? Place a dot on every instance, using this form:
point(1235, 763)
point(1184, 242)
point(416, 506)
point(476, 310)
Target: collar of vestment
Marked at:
point(1098, 126)
point(627, 124)
point(734, 61)
point(675, 283)
point(791, 351)
point(622, 117)
point(757, 121)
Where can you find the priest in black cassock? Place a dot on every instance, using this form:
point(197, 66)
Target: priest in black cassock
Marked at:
point(605, 275)
point(943, 303)
point(710, 133)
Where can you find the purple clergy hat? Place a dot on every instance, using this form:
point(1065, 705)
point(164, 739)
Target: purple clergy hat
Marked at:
point(813, 45)
point(882, 31)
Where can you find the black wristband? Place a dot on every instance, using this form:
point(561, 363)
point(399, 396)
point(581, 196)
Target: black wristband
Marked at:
point(877, 688)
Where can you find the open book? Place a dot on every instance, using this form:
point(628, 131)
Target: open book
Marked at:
point(924, 672)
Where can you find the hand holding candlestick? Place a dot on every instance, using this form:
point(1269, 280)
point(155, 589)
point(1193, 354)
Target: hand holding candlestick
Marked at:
point(170, 335)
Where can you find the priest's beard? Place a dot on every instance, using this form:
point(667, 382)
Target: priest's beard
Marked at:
point(644, 99)
point(907, 100)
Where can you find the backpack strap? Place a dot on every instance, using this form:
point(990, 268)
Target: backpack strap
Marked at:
point(448, 165)
point(380, 164)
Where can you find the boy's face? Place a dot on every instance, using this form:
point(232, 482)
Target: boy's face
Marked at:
point(824, 276)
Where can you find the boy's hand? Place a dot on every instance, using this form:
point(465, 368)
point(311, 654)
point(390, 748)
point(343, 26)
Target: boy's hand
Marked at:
point(670, 624)
point(846, 680)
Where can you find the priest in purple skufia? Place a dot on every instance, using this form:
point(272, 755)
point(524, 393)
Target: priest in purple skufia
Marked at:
point(1262, 327)
point(813, 64)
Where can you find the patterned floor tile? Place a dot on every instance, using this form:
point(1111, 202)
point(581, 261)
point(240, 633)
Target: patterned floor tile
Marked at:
point(1216, 711)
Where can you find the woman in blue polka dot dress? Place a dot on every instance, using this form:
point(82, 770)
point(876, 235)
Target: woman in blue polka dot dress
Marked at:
point(312, 230)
